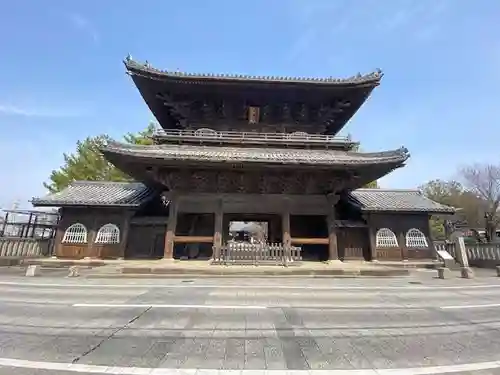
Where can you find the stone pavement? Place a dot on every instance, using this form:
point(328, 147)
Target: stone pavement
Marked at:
point(409, 325)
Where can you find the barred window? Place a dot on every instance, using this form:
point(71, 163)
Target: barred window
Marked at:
point(76, 233)
point(415, 238)
point(109, 233)
point(386, 238)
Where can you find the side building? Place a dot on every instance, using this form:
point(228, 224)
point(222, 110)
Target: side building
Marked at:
point(240, 148)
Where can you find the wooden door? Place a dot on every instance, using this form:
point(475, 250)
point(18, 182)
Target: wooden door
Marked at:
point(353, 243)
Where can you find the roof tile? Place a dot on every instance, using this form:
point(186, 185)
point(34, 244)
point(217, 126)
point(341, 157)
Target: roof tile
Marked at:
point(98, 193)
point(397, 200)
point(257, 155)
point(133, 194)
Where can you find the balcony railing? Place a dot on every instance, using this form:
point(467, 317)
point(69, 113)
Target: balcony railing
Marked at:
point(211, 136)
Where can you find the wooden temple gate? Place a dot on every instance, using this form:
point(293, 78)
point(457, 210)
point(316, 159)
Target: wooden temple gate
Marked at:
point(278, 205)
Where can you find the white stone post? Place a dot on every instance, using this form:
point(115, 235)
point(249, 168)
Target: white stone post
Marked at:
point(33, 270)
point(461, 254)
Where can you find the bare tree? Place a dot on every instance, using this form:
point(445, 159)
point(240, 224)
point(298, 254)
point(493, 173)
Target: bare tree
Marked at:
point(483, 180)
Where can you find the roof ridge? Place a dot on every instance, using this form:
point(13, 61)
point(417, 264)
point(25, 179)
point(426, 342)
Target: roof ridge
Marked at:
point(374, 76)
point(389, 190)
point(103, 182)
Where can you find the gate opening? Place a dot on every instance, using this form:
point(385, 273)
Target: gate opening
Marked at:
point(253, 232)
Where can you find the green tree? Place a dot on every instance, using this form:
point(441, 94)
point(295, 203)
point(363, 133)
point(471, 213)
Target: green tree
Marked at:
point(372, 185)
point(453, 193)
point(87, 162)
point(444, 192)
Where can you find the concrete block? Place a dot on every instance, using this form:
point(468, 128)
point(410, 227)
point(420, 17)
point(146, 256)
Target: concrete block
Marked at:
point(466, 273)
point(33, 271)
point(73, 271)
point(443, 273)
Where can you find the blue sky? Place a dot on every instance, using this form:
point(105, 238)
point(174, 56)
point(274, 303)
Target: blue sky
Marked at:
point(62, 78)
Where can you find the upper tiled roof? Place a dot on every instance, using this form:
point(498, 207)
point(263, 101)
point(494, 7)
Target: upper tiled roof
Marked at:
point(397, 200)
point(98, 193)
point(137, 68)
point(316, 157)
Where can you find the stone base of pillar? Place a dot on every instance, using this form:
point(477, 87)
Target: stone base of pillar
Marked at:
point(334, 262)
point(443, 273)
point(466, 273)
point(167, 260)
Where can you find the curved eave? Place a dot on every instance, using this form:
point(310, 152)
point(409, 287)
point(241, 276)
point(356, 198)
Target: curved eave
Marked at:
point(147, 71)
point(217, 156)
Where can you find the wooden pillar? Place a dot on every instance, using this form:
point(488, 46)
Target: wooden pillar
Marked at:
point(402, 245)
point(168, 252)
point(124, 231)
point(218, 228)
point(333, 253)
point(225, 228)
point(285, 225)
point(373, 242)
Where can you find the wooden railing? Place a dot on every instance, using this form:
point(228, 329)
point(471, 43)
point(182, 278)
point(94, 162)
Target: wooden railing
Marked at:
point(257, 254)
point(24, 247)
point(212, 136)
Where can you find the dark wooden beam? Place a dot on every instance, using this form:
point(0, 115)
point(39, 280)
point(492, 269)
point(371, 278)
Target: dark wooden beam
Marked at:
point(194, 239)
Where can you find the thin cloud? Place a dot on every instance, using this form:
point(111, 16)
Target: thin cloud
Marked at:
point(329, 21)
point(12, 110)
point(84, 25)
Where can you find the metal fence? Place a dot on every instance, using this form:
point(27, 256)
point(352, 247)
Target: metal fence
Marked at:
point(257, 254)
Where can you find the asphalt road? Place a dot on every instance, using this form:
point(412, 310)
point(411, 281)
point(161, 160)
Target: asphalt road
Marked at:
point(417, 325)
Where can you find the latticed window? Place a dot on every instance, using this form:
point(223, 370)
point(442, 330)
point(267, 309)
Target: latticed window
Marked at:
point(109, 233)
point(415, 238)
point(386, 238)
point(76, 233)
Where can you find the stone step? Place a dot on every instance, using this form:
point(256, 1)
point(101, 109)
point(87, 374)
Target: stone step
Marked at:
point(258, 271)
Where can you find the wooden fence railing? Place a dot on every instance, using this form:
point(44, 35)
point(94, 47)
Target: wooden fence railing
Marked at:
point(258, 254)
point(24, 247)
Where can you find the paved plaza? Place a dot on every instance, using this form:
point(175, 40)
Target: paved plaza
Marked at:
point(405, 325)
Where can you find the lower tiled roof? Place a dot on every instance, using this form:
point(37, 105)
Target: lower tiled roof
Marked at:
point(172, 152)
point(134, 194)
point(98, 193)
point(396, 200)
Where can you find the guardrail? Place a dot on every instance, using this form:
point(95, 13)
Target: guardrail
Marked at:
point(258, 254)
point(210, 135)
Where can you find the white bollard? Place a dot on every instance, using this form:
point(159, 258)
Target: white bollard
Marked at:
point(461, 254)
point(33, 271)
point(73, 271)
